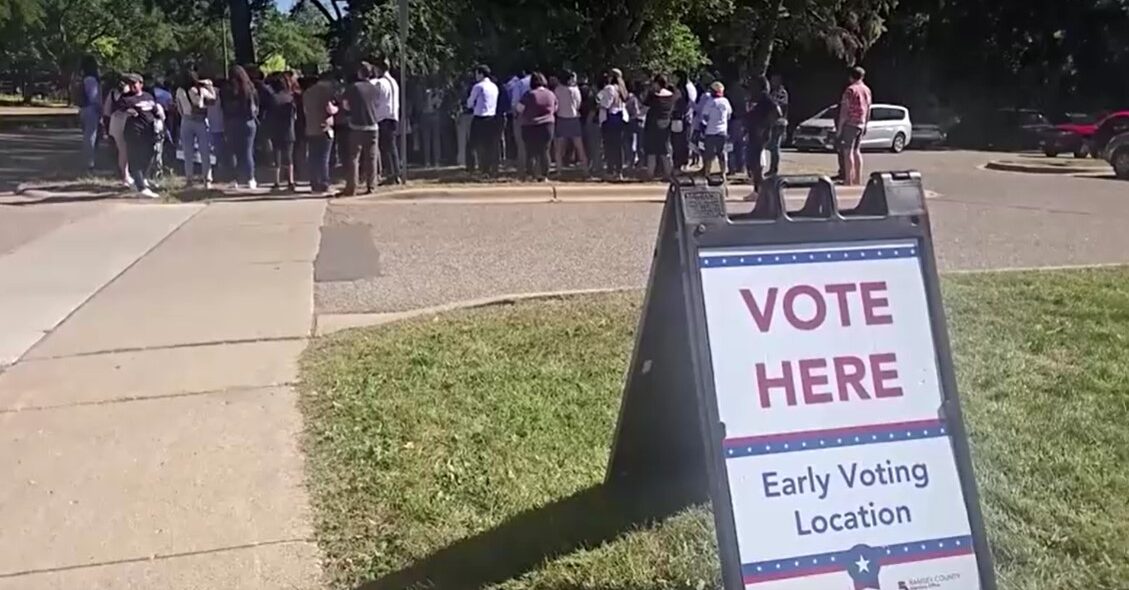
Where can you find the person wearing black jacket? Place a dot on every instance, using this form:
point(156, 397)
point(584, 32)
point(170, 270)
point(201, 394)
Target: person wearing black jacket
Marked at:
point(279, 120)
point(760, 119)
point(144, 130)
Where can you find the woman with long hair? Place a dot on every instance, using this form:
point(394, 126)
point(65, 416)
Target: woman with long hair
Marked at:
point(281, 116)
point(613, 121)
point(89, 102)
point(240, 103)
point(192, 101)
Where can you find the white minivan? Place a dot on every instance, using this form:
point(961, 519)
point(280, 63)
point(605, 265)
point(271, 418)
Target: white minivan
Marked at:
point(889, 129)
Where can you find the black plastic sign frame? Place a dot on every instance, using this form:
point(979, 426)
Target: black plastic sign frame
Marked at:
point(669, 435)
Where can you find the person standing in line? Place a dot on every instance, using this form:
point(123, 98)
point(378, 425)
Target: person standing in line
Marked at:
point(281, 118)
point(656, 129)
point(464, 147)
point(590, 120)
point(363, 104)
point(854, 114)
point(116, 127)
point(679, 123)
point(569, 130)
point(636, 116)
point(159, 88)
point(240, 103)
point(144, 130)
point(89, 103)
point(516, 88)
point(716, 112)
point(388, 120)
point(192, 101)
point(319, 108)
point(538, 109)
point(613, 121)
point(760, 121)
point(686, 87)
point(430, 127)
point(224, 168)
point(483, 102)
point(779, 95)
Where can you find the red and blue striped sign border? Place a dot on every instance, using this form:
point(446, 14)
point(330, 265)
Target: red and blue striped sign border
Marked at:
point(810, 256)
point(827, 563)
point(811, 440)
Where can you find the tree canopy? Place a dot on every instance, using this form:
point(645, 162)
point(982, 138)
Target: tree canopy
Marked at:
point(1056, 54)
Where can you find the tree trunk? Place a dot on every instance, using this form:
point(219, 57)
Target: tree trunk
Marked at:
point(766, 40)
point(241, 38)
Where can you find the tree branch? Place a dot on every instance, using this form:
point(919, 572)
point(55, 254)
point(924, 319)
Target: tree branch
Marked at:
point(325, 11)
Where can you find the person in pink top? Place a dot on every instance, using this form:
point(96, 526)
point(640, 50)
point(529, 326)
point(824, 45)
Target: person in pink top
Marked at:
point(854, 114)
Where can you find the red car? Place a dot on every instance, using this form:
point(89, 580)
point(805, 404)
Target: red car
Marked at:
point(1080, 137)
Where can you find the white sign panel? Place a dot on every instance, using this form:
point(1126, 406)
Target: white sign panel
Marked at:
point(840, 467)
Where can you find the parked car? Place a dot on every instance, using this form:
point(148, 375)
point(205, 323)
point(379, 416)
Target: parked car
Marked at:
point(889, 128)
point(1117, 154)
point(926, 135)
point(1004, 129)
point(1071, 136)
point(1109, 127)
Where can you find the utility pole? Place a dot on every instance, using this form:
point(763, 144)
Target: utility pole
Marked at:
point(403, 86)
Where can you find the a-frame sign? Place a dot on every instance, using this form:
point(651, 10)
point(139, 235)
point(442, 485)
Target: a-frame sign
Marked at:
point(793, 367)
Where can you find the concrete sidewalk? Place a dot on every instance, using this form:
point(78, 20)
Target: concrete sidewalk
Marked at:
point(150, 438)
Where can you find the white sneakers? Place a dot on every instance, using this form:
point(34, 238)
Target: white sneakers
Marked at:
point(148, 194)
point(251, 184)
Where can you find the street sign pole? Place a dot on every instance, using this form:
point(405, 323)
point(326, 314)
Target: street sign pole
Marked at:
point(403, 126)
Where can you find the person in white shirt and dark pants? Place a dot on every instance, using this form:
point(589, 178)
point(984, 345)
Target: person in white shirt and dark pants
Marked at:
point(716, 112)
point(388, 121)
point(613, 121)
point(484, 128)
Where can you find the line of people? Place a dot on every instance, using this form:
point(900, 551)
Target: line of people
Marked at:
point(658, 127)
point(217, 128)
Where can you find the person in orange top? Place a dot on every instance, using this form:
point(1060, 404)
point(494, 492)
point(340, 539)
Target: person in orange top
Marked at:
point(854, 114)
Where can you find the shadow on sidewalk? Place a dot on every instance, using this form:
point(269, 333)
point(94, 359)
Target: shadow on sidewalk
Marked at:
point(588, 518)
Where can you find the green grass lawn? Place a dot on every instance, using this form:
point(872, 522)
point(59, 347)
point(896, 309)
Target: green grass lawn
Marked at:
point(464, 450)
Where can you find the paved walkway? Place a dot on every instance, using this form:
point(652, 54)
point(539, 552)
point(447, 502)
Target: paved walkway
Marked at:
point(149, 427)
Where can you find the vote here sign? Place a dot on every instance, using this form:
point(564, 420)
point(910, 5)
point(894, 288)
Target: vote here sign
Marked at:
point(839, 462)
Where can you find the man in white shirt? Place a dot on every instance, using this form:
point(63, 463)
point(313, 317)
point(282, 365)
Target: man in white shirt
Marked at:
point(388, 122)
point(716, 112)
point(484, 128)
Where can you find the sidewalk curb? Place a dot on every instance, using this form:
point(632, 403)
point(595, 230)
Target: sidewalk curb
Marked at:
point(329, 323)
point(1003, 166)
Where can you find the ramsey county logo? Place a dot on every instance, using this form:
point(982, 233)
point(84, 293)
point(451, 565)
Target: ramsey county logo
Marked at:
point(928, 582)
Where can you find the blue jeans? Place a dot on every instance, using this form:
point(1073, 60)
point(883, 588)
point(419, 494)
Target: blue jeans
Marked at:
point(241, 141)
point(775, 137)
point(194, 138)
point(319, 147)
point(90, 118)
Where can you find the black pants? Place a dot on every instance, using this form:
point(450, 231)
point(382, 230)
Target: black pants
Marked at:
point(389, 149)
point(612, 130)
point(680, 149)
point(140, 154)
point(485, 137)
point(537, 138)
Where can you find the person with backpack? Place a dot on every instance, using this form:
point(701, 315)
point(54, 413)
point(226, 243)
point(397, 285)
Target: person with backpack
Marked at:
point(192, 101)
point(88, 99)
point(760, 120)
point(240, 102)
point(144, 130)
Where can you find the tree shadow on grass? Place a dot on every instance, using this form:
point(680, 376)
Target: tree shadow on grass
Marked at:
point(588, 518)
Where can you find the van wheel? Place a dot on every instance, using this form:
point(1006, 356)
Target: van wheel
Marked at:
point(899, 143)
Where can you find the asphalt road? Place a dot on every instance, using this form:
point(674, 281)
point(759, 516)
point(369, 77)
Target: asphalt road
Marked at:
point(429, 254)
